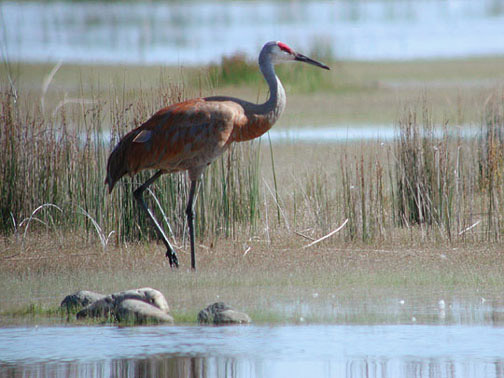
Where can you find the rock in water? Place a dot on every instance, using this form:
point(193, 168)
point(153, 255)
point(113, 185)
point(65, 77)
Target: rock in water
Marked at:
point(147, 306)
point(146, 294)
point(220, 313)
point(138, 312)
point(80, 299)
point(102, 308)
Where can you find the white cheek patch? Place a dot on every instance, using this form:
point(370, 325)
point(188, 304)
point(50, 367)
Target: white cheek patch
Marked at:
point(282, 57)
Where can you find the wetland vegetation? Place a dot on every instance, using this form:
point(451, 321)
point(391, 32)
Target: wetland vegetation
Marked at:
point(425, 210)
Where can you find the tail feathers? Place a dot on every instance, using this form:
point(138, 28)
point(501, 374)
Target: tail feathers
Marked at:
point(117, 163)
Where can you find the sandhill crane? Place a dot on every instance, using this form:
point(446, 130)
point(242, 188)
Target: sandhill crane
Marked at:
point(189, 135)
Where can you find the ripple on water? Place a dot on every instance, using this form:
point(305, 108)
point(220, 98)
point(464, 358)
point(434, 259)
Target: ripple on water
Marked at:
point(289, 350)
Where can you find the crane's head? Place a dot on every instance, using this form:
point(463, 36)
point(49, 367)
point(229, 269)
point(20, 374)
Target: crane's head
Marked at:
point(280, 52)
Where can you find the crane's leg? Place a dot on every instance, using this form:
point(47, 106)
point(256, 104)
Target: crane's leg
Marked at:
point(190, 220)
point(138, 194)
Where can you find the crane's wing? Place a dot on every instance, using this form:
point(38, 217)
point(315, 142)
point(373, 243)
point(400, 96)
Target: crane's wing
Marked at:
point(186, 135)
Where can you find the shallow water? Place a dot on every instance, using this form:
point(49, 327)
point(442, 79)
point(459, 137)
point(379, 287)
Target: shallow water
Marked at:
point(199, 32)
point(333, 134)
point(342, 134)
point(410, 336)
point(250, 351)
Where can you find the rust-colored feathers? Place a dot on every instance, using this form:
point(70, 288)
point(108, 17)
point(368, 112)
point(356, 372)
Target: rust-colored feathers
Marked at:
point(185, 136)
point(116, 167)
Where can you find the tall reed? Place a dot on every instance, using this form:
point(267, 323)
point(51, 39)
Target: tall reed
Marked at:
point(424, 171)
point(448, 182)
point(59, 158)
point(491, 163)
point(432, 180)
point(438, 180)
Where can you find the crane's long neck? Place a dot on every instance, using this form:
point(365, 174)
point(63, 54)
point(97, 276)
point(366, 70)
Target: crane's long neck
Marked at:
point(261, 117)
point(274, 107)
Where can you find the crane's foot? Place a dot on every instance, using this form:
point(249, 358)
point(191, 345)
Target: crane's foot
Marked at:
point(172, 258)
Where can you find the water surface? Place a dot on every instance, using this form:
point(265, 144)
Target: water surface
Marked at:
point(200, 32)
point(250, 351)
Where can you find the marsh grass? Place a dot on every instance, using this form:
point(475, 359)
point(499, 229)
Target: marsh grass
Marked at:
point(448, 184)
point(275, 283)
point(52, 178)
point(425, 184)
point(433, 187)
point(432, 183)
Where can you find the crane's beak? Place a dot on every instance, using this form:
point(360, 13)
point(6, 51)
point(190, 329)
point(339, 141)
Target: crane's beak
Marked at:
point(302, 58)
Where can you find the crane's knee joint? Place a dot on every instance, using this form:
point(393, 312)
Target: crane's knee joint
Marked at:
point(138, 194)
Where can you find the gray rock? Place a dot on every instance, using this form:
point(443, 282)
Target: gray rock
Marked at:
point(139, 312)
point(220, 313)
point(207, 314)
point(80, 299)
point(151, 296)
point(102, 308)
point(109, 306)
point(231, 317)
